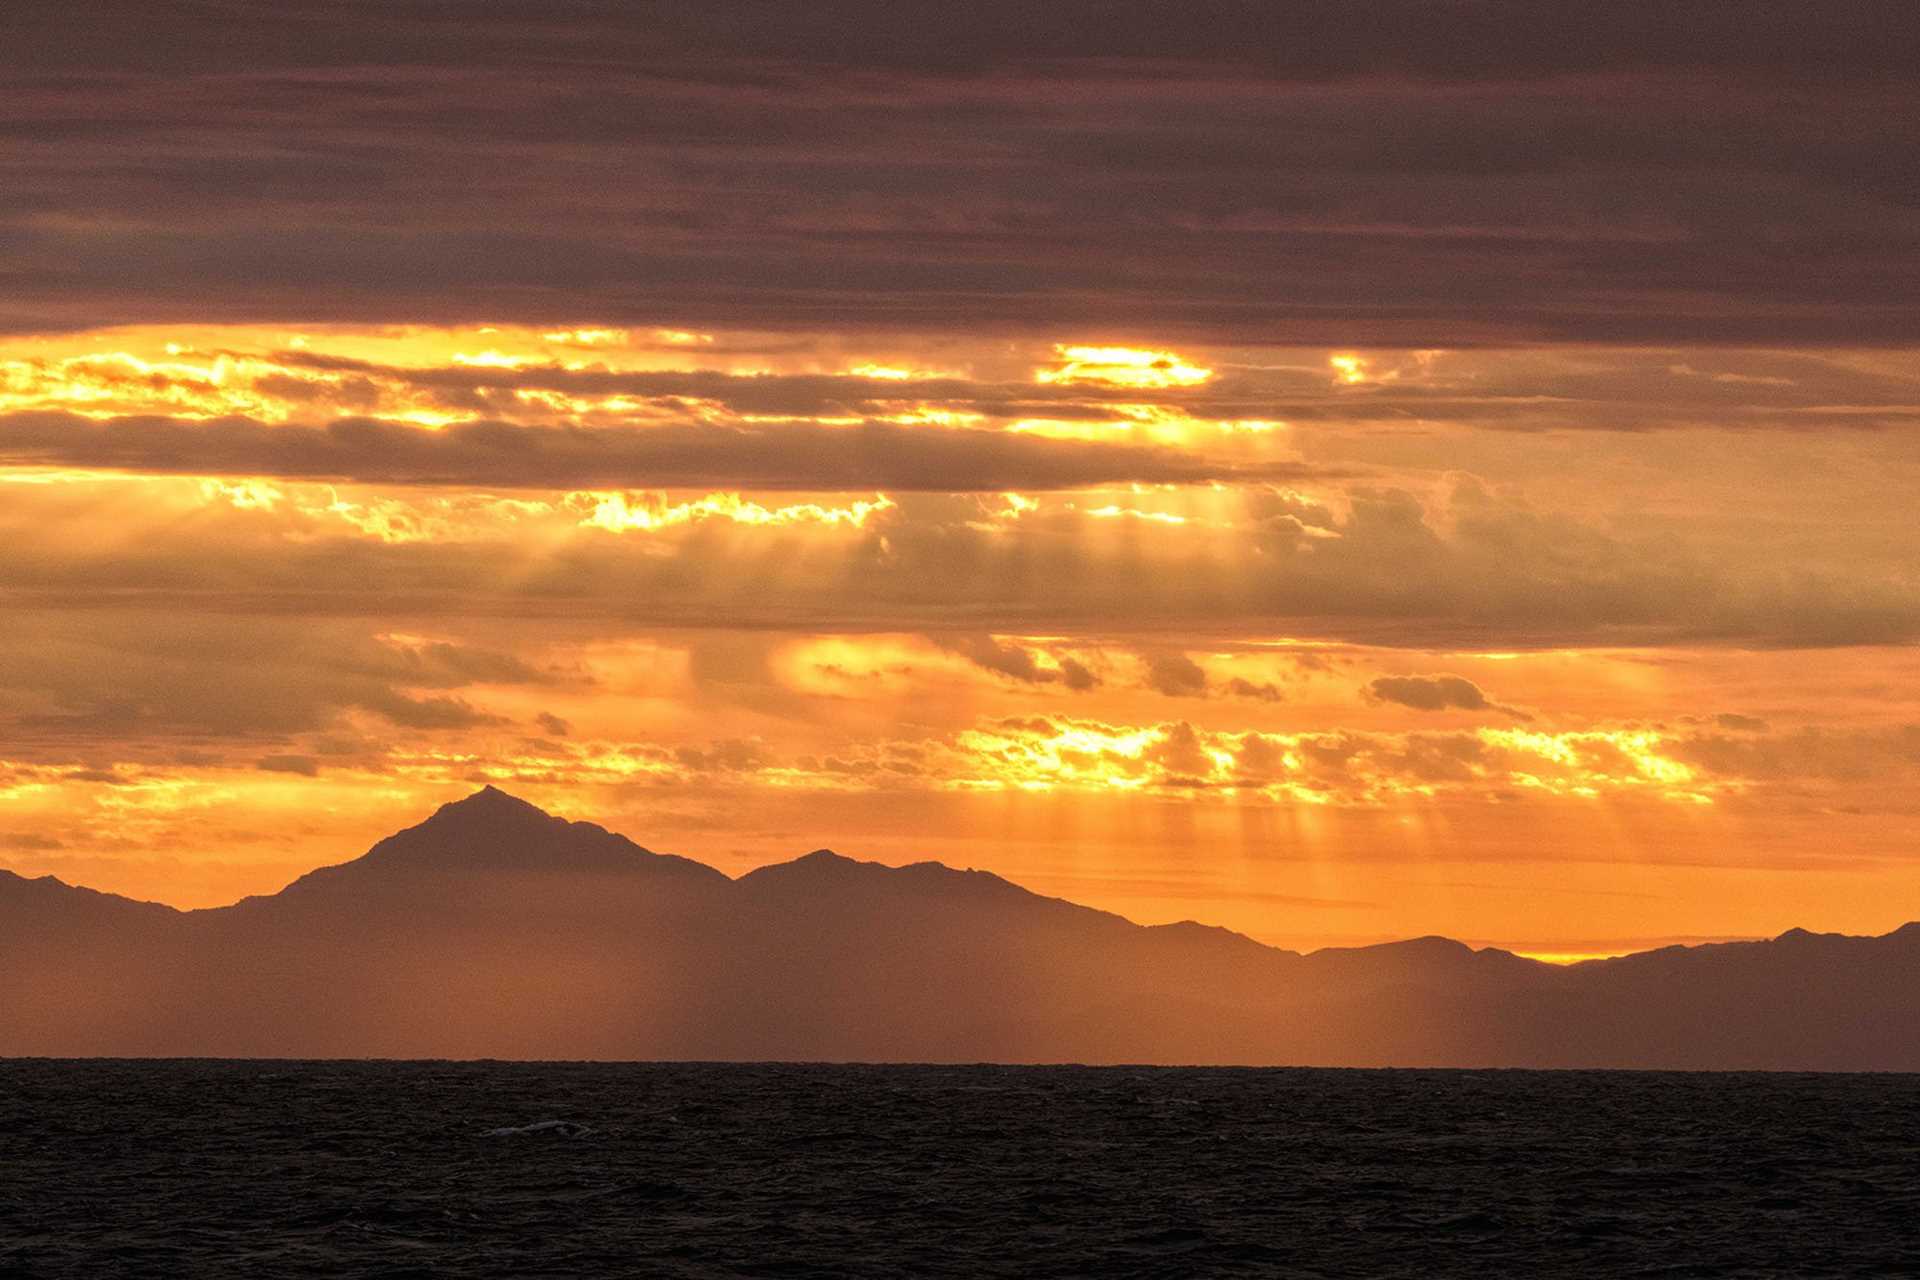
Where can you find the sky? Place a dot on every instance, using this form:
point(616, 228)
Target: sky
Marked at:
point(1341, 473)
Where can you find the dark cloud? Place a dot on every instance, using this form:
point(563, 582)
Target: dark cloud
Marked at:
point(173, 676)
point(1825, 753)
point(1076, 676)
point(1434, 693)
point(305, 766)
point(498, 455)
point(1176, 675)
point(1422, 173)
point(443, 664)
point(731, 755)
point(1018, 662)
point(429, 713)
point(1308, 40)
point(1260, 692)
point(1489, 40)
point(553, 725)
point(31, 843)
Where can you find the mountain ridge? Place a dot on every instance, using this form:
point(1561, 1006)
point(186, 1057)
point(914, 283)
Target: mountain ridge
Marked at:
point(495, 930)
point(491, 803)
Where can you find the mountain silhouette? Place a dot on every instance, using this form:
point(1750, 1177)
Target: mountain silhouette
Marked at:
point(494, 929)
point(494, 832)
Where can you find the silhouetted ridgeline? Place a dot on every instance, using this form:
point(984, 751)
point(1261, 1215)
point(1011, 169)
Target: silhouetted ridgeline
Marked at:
point(496, 930)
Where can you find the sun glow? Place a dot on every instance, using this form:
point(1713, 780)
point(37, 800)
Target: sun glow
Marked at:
point(1348, 369)
point(599, 377)
point(626, 512)
point(110, 383)
point(586, 337)
point(1316, 768)
point(1121, 367)
point(1114, 512)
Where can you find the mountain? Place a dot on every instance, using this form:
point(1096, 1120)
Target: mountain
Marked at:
point(496, 930)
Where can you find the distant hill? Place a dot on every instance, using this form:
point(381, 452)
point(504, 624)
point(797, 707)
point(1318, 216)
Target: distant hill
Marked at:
point(496, 930)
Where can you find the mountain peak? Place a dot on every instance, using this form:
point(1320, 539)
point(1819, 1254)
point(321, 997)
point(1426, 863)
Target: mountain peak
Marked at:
point(491, 804)
point(492, 831)
point(822, 866)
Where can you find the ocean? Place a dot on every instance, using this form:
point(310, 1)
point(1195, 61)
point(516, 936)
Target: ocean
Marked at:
point(446, 1170)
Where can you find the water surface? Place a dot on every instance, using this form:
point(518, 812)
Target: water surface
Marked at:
point(393, 1169)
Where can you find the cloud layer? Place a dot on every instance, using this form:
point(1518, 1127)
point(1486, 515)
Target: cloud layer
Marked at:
point(1425, 175)
point(498, 455)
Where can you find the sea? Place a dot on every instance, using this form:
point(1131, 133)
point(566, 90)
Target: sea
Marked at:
point(446, 1170)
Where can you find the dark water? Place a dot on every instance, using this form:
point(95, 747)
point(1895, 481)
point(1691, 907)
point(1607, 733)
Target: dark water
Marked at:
point(372, 1169)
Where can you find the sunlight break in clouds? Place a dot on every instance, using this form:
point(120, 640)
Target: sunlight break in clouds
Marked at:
point(1318, 768)
point(623, 512)
point(1121, 367)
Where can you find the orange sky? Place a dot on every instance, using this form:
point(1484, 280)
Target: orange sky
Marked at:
point(1569, 650)
point(1451, 472)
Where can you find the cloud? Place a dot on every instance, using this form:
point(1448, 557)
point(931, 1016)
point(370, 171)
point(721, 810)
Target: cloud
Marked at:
point(181, 678)
point(253, 372)
point(553, 725)
point(1435, 693)
point(1814, 753)
point(498, 455)
point(1241, 687)
point(1176, 675)
point(1018, 662)
point(31, 843)
point(305, 766)
point(732, 755)
point(1328, 767)
point(1311, 41)
point(1464, 568)
point(1076, 676)
point(1437, 174)
point(429, 713)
